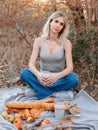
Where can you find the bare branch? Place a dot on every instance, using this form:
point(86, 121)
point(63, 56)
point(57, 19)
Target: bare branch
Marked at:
point(17, 26)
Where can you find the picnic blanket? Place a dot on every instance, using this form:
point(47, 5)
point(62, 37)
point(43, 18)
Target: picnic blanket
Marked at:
point(88, 106)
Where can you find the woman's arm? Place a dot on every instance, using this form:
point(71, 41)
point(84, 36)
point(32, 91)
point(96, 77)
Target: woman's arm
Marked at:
point(33, 59)
point(68, 58)
point(34, 56)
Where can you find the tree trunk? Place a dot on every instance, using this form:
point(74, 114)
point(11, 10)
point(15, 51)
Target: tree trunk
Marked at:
point(77, 9)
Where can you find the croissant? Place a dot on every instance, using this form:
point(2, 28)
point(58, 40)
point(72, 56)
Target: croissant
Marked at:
point(10, 110)
point(35, 113)
point(24, 113)
point(45, 104)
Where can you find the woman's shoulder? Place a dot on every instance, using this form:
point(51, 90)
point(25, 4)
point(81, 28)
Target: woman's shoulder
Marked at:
point(67, 42)
point(37, 41)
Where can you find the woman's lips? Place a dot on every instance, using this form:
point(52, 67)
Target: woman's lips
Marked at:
point(56, 29)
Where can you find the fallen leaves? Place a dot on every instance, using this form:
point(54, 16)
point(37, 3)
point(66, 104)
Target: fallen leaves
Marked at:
point(72, 109)
point(65, 121)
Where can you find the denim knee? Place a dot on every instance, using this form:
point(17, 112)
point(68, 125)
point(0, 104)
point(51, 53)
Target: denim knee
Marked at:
point(75, 79)
point(23, 73)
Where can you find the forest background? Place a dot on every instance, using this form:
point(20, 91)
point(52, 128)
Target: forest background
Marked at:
point(21, 21)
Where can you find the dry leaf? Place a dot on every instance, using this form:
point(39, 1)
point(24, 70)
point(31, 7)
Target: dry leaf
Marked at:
point(66, 121)
point(39, 128)
point(67, 104)
point(75, 108)
point(57, 127)
point(71, 109)
point(68, 129)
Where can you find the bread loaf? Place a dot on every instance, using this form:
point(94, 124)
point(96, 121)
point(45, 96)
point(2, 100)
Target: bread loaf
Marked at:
point(45, 104)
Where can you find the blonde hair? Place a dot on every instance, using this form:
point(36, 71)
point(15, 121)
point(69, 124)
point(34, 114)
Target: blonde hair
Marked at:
point(64, 32)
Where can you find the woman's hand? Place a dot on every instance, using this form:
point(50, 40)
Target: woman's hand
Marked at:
point(52, 79)
point(41, 78)
point(47, 78)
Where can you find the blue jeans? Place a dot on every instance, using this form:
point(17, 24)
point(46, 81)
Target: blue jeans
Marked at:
point(65, 83)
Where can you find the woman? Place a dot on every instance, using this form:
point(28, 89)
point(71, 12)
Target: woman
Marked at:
point(55, 52)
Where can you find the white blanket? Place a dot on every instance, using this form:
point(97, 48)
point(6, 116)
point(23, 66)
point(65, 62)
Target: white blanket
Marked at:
point(88, 106)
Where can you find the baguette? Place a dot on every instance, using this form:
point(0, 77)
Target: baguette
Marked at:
point(45, 104)
point(30, 105)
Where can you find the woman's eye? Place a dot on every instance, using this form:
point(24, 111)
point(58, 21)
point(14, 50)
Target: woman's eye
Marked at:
point(61, 24)
point(56, 21)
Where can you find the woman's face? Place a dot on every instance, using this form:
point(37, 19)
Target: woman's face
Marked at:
point(57, 25)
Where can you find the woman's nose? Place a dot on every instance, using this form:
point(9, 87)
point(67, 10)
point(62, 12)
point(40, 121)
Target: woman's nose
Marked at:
point(57, 24)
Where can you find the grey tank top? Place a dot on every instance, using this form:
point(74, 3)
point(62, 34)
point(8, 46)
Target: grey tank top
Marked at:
point(54, 62)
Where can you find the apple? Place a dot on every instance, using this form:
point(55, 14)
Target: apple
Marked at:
point(30, 120)
point(10, 118)
point(17, 116)
point(46, 122)
point(4, 114)
point(18, 123)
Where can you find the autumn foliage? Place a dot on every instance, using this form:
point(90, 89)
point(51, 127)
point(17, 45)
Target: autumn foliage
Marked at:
point(21, 22)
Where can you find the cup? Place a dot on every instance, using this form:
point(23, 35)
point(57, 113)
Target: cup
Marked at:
point(59, 109)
